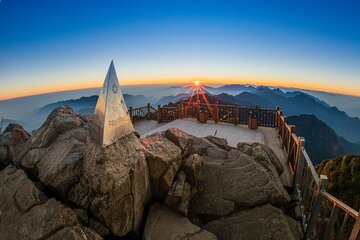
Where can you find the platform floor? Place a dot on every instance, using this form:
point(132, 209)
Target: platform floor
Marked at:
point(233, 133)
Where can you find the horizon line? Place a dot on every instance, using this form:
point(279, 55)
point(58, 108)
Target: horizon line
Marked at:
point(181, 83)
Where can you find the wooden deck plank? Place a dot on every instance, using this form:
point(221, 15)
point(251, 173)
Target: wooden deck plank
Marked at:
point(233, 133)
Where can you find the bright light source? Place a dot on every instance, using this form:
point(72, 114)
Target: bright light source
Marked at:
point(197, 83)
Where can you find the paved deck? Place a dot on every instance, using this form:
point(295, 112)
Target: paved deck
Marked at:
point(233, 133)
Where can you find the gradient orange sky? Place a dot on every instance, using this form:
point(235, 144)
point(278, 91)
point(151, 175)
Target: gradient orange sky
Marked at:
point(64, 86)
point(48, 46)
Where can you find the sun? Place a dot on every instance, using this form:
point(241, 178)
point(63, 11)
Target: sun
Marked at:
point(197, 83)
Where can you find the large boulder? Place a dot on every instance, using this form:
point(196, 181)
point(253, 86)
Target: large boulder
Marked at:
point(114, 184)
point(264, 222)
point(26, 213)
point(162, 224)
point(11, 140)
point(111, 184)
point(54, 153)
point(192, 168)
point(262, 154)
point(235, 183)
point(177, 136)
point(178, 197)
point(164, 159)
point(220, 142)
point(198, 145)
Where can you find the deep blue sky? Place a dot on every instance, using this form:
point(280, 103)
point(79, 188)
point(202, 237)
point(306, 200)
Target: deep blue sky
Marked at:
point(53, 45)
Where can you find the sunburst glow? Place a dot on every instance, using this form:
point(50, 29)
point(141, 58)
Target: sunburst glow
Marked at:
point(197, 83)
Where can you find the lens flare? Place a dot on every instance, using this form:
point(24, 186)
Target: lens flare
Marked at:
point(197, 83)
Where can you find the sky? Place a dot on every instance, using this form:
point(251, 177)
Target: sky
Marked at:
point(48, 46)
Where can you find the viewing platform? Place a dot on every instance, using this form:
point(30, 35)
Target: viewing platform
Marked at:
point(323, 215)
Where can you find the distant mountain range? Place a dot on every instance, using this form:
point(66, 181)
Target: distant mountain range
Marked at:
point(292, 103)
point(83, 105)
point(321, 142)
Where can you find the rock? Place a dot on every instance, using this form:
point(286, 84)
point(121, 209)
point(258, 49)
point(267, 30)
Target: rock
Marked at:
point(263, 222)
point(245, 148)
point(60, 167)
point(262, 154)
point(237, 183)
point(60, 120)
point(162, 223)
point(216, 152)
point(177, 136)
point(234, 154)
point(192, 167)
point(111, 183)
point(82, 215)
point(164, 159)
point(220, 142)
point(98, 227)
point(25, 212)
point(75, 233)
point(11, 140)
point(54, 153)
point(178, 197)
point(114, 185)
point(27, 196)
point(198, 145)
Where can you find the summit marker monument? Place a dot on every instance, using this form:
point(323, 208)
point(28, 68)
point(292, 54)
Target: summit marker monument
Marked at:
point(111, 117)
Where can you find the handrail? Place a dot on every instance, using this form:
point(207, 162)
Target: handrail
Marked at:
point(353, 213)
point(140, 113)
point(311, 166)
point(311, 191)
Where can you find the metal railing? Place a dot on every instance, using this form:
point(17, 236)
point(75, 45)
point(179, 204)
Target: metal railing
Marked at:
point(219, 113)
point(323, 216)
point(146, 112)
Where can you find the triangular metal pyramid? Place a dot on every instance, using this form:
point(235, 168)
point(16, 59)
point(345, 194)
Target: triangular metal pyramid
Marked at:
point(111, 117)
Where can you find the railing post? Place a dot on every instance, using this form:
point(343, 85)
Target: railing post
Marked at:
point(299, 164)
point(216, 114)
point(131, 114)
point(283, 130)
point(356, 229)
point(292, 130)
point(159, 113)
point(148, 116)
point(181, 109)
point(236, 113)
point(331, 222)
point(316, 208)
point(279, 122)
point(197, 109)
point(276, 117)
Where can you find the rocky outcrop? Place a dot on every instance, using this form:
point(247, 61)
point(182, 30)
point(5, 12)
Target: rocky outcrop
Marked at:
point(26, 213)
point(235, 183)
point(114, 184)
point(220, 142)
point(11, 141)
point(111, 184)
point(178, 197)
point(164, 159)
point(163, 224)
point(192, 168)
point(262, 154)
point(178, 137)
point(264, 222)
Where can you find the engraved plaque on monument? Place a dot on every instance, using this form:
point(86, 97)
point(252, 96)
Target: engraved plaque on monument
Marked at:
point(111, 117)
